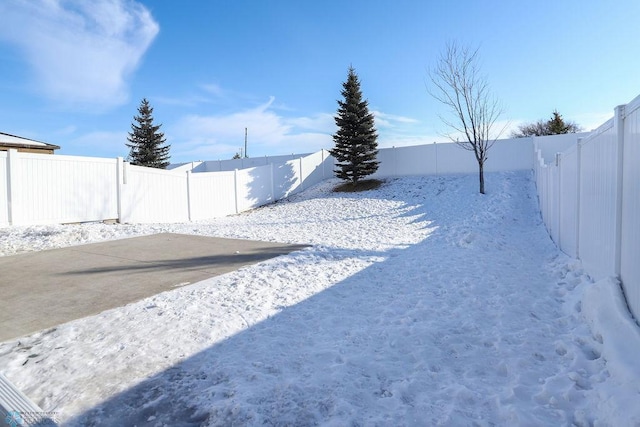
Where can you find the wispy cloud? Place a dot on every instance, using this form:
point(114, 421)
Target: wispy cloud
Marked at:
point(209, 94)
point(401, 131)
point(204, 137)
point(214, 89)
point(390, 120)
point(81, 53)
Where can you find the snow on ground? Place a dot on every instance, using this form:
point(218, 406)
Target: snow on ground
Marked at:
point(420, 303)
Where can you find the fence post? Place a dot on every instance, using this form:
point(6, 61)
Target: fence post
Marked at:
point(301, 177)
point(579, 189)
point(273, 190)
point(395, 161)
point(235, 187)
point(436, 148)
point(558, 199)
point(119, 182)
point(618, 123)
point(189, 207)
point(12, 184)
point(547, 191)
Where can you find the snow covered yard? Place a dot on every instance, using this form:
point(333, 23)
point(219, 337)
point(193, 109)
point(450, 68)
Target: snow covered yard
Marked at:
point(420, 303)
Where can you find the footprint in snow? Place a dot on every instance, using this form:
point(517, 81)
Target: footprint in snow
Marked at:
point(466, 240)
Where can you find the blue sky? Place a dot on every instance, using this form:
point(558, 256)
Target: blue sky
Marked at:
point(73, 72)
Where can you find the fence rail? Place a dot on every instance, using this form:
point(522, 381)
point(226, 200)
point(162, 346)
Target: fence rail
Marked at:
point(590, 199)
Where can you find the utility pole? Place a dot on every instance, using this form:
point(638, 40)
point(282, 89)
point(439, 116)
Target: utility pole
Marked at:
point(245, 142)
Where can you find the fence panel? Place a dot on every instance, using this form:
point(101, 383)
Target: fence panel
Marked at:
point(553, 205)
point(546, 198)
point(630, 241)
point(286, 177)
point(61, 189)
point(449, 158)
point(549, 145)
point(538, 166)
point(568, 199)
point(418, 160)
point(244, 163)
point(509, 155)
point(4, 188)
point(454, 159)
point(212, 194)
point(253, 187)
point(313, 170)
point(546, 207)
point(598, 186)
point(154, 195)
point(388, 163)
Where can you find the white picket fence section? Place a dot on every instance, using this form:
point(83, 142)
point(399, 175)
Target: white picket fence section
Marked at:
point(590, 199)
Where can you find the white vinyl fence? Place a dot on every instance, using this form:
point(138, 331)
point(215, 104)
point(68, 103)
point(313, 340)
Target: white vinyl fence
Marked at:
point(46, 189)
point(448, 158)
point(233, 164)
point(43, 189)
point(590, 199)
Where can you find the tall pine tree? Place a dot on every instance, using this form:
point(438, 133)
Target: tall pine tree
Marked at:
point(356, 146)
point(147, 144)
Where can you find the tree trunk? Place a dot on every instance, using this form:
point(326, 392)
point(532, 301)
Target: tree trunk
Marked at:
point(481, 173)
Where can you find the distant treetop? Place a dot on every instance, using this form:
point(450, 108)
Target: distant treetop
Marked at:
point(556, 125)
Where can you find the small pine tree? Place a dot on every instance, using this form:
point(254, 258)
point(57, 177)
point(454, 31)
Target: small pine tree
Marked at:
point(147, 144)
point(556, 124)
point(356, 146)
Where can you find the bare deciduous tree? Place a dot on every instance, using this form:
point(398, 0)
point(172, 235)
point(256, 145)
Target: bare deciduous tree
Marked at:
point(458, 84)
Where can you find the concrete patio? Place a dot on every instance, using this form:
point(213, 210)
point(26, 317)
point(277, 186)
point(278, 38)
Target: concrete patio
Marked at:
point(43, 289)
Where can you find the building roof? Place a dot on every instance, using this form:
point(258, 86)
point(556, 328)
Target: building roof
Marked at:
point(8, 140)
